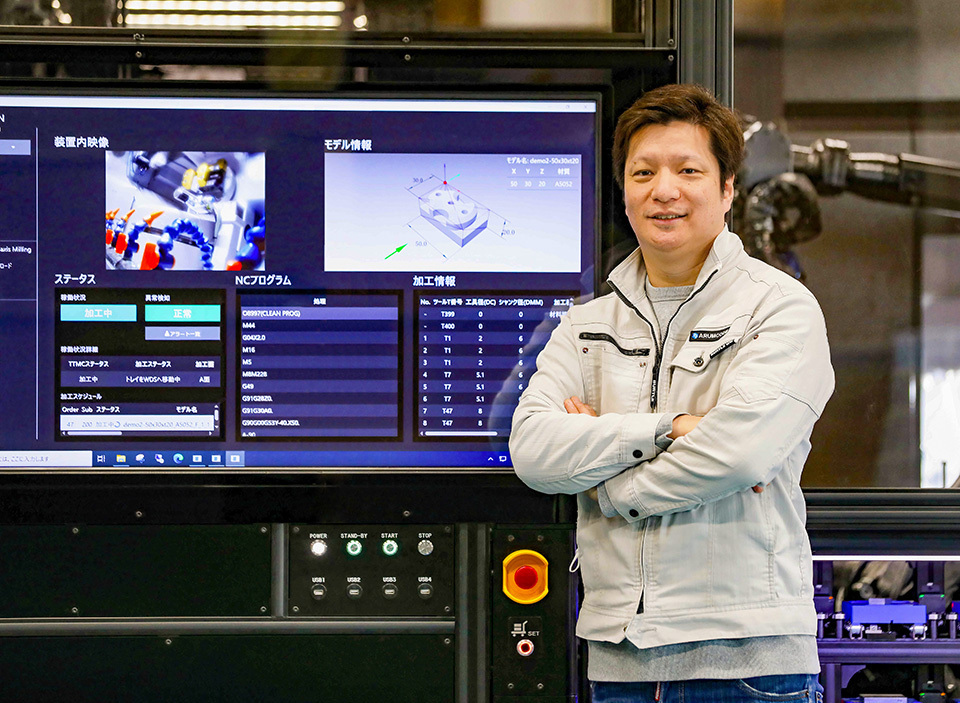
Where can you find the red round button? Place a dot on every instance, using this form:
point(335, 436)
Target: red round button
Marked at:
point(526, 577)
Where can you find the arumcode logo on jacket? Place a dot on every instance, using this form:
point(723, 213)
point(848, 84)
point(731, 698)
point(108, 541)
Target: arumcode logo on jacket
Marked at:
point(707, 335)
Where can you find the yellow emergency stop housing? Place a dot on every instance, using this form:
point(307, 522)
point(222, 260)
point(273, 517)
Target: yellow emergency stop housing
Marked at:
point(512, 585)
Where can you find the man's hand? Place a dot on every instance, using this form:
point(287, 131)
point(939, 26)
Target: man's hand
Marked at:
point(575, 406)
point(682, 424)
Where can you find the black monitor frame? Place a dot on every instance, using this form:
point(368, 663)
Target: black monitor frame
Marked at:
point(620, 68)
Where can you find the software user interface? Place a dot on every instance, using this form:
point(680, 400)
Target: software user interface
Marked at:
point(273, 282)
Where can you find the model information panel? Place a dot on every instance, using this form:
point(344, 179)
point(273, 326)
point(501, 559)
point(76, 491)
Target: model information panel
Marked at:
point(134, 364)
point(319, 365)
point(475, 358)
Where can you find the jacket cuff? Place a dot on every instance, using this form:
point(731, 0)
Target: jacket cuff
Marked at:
point(638, 437)
point(664, 428)
point(639, 442)
point(619, 492)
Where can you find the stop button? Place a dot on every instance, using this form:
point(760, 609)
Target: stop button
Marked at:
point(525, 576)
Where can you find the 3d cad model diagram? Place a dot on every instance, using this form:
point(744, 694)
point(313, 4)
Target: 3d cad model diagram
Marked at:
point(453, 213)
point(446, 213)
point(446, 210)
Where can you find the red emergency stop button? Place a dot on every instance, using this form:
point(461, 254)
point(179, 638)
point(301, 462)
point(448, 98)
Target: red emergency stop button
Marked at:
point(525, 576)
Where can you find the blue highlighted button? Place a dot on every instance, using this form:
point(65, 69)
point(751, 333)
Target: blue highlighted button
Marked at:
point(98, 313)
point(14, 147)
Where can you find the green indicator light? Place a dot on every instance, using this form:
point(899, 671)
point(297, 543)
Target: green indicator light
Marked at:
point(390, 547)
point(354, 547)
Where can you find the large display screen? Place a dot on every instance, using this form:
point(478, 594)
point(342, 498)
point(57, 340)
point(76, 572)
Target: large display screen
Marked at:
point(260, 283)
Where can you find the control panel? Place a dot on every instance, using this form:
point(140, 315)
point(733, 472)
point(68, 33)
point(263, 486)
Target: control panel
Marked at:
point(371, 570)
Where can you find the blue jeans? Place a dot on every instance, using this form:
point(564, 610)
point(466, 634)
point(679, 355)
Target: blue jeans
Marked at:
point(794, 687)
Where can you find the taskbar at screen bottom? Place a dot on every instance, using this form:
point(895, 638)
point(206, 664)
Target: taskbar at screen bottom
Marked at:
point(186, 459)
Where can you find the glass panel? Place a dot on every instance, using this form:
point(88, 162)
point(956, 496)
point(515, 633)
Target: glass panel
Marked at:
point(878, 76)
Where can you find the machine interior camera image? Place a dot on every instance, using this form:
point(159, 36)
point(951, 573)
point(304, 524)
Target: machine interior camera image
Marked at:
point(187, 210)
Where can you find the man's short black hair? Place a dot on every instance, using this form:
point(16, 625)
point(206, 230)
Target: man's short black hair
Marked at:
point(682, 102)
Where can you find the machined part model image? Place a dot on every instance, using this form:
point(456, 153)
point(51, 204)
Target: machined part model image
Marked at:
point(453, 213)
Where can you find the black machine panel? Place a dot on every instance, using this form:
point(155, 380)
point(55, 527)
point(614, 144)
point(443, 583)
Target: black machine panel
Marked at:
point(97, 571)
point(214, 669)
point(532, 595)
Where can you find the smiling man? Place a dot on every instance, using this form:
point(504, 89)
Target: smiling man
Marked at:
point(679, 408)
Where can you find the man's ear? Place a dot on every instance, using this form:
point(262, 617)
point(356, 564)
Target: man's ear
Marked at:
point(727, 193)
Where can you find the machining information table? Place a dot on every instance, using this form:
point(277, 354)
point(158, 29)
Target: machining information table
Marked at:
point(476, 353)
point(319, 365)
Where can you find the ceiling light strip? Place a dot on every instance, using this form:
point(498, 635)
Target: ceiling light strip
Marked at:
point(208, 20)
point(237, 6)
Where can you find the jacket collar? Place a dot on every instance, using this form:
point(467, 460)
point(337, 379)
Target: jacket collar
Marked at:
point(628, 276)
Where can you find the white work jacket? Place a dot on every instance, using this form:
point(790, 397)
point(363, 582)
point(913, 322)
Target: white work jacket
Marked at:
point(709, 558)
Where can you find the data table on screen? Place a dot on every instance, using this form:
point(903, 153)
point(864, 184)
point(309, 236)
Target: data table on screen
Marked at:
point(476, 353)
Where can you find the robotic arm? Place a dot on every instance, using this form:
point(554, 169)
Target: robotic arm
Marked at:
point(777, 206)
point(904, 178)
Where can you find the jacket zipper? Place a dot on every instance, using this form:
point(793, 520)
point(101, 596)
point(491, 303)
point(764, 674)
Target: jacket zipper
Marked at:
point(655, 384)
point(601, 337)
point(653, 395)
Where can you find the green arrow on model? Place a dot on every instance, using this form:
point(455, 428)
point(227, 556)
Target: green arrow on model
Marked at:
point(399, 248)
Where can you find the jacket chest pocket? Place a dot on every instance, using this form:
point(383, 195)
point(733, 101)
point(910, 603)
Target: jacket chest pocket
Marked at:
point(615, 372)
point(696, 373)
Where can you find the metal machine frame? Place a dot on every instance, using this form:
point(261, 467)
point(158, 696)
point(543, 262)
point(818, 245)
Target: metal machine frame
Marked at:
point(915, 525)
point(657, 41)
